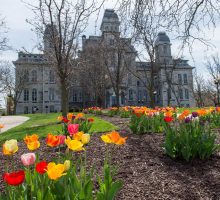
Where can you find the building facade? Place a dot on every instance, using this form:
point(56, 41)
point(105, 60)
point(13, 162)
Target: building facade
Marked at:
point(173, 79)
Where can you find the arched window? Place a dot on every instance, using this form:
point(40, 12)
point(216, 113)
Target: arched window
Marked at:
point(34, 95)
point(34, 76)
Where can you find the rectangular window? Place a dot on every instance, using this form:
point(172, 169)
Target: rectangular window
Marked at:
point(139, 96)
point(51, 94)
point(80, 96)
point(185, 78)
point(138, 83)
point(26, 95)
point(74, 97)
point(40, 95)
point(51, 76)
point(180, 93)
point(34, 95)
point(180, 79)
point(25, 110)
point(145, 95)
point(130, 95)
point(186, 94)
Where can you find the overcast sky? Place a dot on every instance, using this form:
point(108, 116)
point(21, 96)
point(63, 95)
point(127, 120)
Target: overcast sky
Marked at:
point(20, 35)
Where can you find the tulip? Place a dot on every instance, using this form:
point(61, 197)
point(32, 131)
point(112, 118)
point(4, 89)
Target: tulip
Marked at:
point(195, 114)
point(73, 128)
point(10, 147)
point(78, 135)
point(32, 142)
point(14, 178)
point(28, 159)
point(114, 138)
point(168, 119)
point(60, 118)
point(65, 120)
point(41, 167)
point(90, 120)
point(52, 140)
point(62, 139)
point(55, 171)
point(74, 144)
point(66, 165)
point(79, 116)
point(70, 116)
point(85, 138)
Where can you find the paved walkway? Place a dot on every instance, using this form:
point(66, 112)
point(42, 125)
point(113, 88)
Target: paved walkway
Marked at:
point(11, 121)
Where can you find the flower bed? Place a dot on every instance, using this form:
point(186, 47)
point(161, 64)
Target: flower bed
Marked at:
point(66, 177)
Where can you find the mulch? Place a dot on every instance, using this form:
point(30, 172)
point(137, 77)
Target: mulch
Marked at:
point(146, 172)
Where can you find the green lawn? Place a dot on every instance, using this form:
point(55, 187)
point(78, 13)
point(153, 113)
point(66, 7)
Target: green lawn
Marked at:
point(42, 124)
point(190, 109)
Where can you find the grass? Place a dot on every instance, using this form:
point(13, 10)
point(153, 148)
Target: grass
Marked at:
point(190, 109)
point(42, 124)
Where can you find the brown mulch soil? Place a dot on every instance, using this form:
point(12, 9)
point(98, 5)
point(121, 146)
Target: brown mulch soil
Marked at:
point(147, 173)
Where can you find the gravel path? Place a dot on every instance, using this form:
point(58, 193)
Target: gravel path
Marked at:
point(12, 121)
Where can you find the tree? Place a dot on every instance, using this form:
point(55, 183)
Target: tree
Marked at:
point(64, 21)
point(3, 39)
point(117, 57)
point(8, 85)
point(188, 18)
point(146, 22)
point(93, 74)
point(213, 67)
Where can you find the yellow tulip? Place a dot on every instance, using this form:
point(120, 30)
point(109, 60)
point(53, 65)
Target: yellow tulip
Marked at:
point(74, 145)
point(78, 135)
point(106, 139)
point(55, 171)
point(85, 138)
point(60, 118)
point(66, 165)
point(32, 142)
point(10, 147)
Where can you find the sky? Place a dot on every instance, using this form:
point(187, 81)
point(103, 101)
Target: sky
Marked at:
point(20, 35)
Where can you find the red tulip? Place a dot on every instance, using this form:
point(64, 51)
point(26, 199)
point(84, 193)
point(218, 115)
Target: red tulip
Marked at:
point(14, 178)
point(65, 120)
point(90, 120)
point(168, 119)
point(41, 167)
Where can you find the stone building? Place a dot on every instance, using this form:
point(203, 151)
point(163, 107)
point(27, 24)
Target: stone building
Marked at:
point(173, 79)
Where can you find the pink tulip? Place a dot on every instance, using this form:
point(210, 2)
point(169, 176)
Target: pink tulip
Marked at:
point(62, 139)
point(28, 159)
point(73, 128)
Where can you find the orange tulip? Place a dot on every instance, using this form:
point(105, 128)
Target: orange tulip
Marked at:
point(70, 116)
point(32, 142)
point(52, 140)
point(79, 116)
point(114, 138)
point(1, 126)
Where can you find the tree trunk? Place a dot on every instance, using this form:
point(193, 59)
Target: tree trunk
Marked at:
point(117, 97)
point(64, 99)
